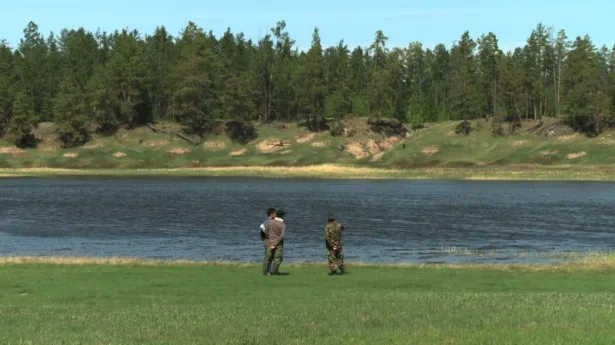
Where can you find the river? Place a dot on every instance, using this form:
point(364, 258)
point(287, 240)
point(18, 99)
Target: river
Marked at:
point(386, 221)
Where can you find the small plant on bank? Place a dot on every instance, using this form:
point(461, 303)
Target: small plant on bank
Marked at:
point(241, 132)
point(464, 127)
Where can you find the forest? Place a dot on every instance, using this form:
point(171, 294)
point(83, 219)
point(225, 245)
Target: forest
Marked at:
point(88, 82)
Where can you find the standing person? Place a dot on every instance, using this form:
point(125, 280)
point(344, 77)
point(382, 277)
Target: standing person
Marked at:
point(334, 244)
point(275, 242)
point(271, 214)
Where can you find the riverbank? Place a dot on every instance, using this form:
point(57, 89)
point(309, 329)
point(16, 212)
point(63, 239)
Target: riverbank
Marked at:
point(331, 171)
point(125, 301)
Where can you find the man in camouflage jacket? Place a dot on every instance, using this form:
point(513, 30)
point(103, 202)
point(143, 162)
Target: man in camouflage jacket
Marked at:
point(333, 241)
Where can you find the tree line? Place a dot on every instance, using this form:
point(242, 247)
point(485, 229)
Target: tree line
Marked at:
point(85, 81)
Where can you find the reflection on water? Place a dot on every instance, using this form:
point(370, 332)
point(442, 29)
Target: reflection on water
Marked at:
point(386, 221)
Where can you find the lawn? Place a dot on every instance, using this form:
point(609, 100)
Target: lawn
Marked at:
point(132, 303)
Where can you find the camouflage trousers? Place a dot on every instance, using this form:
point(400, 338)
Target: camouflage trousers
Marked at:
point(336, 259)
point(274, 255)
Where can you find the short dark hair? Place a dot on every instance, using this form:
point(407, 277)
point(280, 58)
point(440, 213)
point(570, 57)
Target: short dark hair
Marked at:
point(281, 213)
point(270, 211)
point(331, 219)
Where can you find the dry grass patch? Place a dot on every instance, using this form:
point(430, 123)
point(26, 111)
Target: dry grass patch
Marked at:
point(214, 145)
point(356, 149)
point(430, 150)
point(566, 138)
point(304, 139)
point(520, 142)
point(285, 152)
point(237, 153)
point(70, 155)
point(377, 157)
point(155, 143)
point(320, 144)
point(268, 146)
point(179, 151)
point(576, 155)
point(548, 152)
point(11, 150)
point(119, 155)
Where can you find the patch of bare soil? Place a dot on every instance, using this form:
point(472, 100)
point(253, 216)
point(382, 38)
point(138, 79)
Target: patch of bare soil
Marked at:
point(356, 149)
point(451, 134)
point(155, 143)
point(268, 146)
point(565, 138)
point(430, 150)
point(548, 152)
point(576, 155)
point(237, 153)
point(70, 155)
point(214, 145)
point(285, 152)
point(519, 142)
point(373, 147)
point(304, 139)
point(119, 155)
point(319, 144)
point(377, 157)
point(179, 151)
point(11, 150)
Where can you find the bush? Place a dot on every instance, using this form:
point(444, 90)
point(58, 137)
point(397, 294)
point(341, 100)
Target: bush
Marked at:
point(337, 129)
point(389, 127)
point(464, 127)
point(588, 124)
point(26, 140)
point(497, 130)
point(317, 124)
point(241, 132)
point(71, 135)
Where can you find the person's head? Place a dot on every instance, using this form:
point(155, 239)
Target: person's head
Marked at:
point(281, 214)
point(331, 219)
point(271, 213)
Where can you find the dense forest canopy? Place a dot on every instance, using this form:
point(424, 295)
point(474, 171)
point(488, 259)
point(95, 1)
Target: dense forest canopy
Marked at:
point(100, 81)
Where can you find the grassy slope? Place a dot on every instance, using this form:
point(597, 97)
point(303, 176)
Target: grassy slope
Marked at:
point(433, 148)
point(122, 304)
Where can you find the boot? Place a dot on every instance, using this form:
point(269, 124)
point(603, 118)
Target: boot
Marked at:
point(332, 271)
point(274, 269)
point(266, 267)
point(342, 270)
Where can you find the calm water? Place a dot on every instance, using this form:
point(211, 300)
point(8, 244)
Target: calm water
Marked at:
point(386, 221)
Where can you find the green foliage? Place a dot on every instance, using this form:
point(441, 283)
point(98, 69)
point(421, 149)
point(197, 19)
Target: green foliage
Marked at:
point(464, 127)
point(23, 121)
point(127, 79)
point(337, 129)
point(71, 114)
point(241, 132)
point(497, 127)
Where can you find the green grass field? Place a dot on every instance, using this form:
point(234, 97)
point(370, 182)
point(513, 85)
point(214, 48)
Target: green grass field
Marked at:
point(132, 303)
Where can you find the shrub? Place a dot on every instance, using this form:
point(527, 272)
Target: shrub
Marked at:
point(464, 127)
point(241, 132)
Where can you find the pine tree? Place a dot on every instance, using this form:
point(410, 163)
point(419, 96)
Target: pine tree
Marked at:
point(160, 57)
point(311, 97)
point(489, 59)
point(23, 120)
point(465, 101)
point(581, 87)
point(31, 69)
point(380, 92)
point(196, 95)
point(71, 113)
point(6, 86)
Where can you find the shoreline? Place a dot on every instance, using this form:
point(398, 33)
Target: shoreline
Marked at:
point(604, 262)
point(333, 171)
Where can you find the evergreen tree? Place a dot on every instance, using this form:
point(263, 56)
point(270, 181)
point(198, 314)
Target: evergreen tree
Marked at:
point(6, 86)
point(23, 120)
point(72, 113)
point(196, 96)
point(160, 58)
point(311, 97)
point(465, 101)
point(380, 92)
